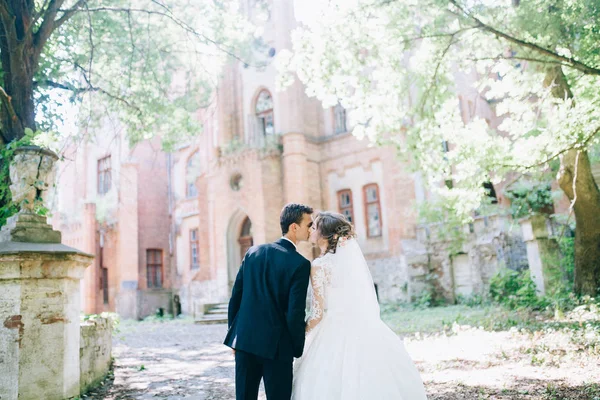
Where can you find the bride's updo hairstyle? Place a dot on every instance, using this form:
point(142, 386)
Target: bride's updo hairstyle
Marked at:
point(333, 227)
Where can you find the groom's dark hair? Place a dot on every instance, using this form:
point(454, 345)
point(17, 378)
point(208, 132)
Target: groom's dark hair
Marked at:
point(292, 213)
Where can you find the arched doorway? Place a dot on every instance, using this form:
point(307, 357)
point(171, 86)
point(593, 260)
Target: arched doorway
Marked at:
point(239, 240)
point(245, 240)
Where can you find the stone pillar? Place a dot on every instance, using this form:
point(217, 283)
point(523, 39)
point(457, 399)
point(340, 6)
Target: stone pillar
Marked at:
point(542, 252)
point(39, 294)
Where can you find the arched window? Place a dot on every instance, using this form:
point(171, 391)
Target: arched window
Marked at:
point(264, 113)
point(339, 113)
point(191, 173)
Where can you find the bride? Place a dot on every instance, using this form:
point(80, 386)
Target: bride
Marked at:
point(350, 354)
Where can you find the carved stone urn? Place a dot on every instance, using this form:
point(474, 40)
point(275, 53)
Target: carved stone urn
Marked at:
point(32, 174)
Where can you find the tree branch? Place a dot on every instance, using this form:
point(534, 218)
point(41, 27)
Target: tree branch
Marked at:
point(5, 140)
point(437, 68)
point(7, 101)
point(9, 25)
point(537, 60)
point(576, 146)
point(570, 61)
point(47, 27)
point(39, 14)
point(174, 19)
point(92, 88)
point(438, 35)
point(68, 14)
point(49, 83)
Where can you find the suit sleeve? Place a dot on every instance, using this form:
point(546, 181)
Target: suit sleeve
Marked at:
point(236, 295)
point(296, 312)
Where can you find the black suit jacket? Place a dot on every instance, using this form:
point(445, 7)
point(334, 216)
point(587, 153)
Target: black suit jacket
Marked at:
point(268, 302)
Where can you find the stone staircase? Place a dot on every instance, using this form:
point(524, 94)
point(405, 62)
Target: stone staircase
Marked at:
point(213, 314)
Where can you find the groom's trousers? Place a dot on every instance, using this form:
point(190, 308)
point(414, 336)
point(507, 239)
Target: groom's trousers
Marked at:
point(249, 369)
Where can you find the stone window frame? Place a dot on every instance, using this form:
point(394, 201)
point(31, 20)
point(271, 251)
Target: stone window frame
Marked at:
point(261, 115)
point(191, 191)
point(104, 174)
point(155, 280)
point(194, 246)
point(368, 203)
point(346, 209)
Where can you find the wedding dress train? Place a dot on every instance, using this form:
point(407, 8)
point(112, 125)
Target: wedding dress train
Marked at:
point(350, 354)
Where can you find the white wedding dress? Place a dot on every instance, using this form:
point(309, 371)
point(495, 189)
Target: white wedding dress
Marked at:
point(350, 354)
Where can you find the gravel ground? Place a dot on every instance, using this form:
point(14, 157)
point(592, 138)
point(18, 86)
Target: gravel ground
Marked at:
point(169, 360)
point(181, 360)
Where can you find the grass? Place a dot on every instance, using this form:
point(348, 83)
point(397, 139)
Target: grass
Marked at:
point(404, 319)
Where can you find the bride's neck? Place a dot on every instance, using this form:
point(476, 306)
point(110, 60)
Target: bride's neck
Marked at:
point(323, 247)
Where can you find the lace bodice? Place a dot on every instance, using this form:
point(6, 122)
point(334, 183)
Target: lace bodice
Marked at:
point(321, 279)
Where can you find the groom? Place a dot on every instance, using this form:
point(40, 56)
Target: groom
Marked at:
point(267, 310)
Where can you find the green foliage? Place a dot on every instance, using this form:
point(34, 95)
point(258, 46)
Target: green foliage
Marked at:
point(406, 318)
point(153, 83)
point(583, 322)
point(399, 67)
point(526, 199)
point(559, 274)
point(142, 67)
point(567, 252)
point(475, 300)
point(425, 300)
point(444, 223)
point(515, 289)
point(158, 317)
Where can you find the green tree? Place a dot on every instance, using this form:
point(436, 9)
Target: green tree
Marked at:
point(395, 65)
point(150, 64)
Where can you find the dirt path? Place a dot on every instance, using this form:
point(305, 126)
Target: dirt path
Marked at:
point(177, 360)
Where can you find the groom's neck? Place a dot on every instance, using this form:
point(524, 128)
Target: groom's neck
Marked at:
point(292, 239)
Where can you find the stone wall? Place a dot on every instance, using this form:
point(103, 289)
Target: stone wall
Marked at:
point(149, 301)
point(490, 243)
point(198, 293)
point(391, 277)
point(95, 349)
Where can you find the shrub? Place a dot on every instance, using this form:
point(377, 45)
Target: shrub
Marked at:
point(515, 290)
point(474, 300)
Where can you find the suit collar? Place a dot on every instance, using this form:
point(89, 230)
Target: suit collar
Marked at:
point(288, 244)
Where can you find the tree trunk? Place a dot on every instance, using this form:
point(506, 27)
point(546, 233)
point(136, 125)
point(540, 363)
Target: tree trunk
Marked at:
point(575, 166)
point(587, 218)
point(20, 49)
